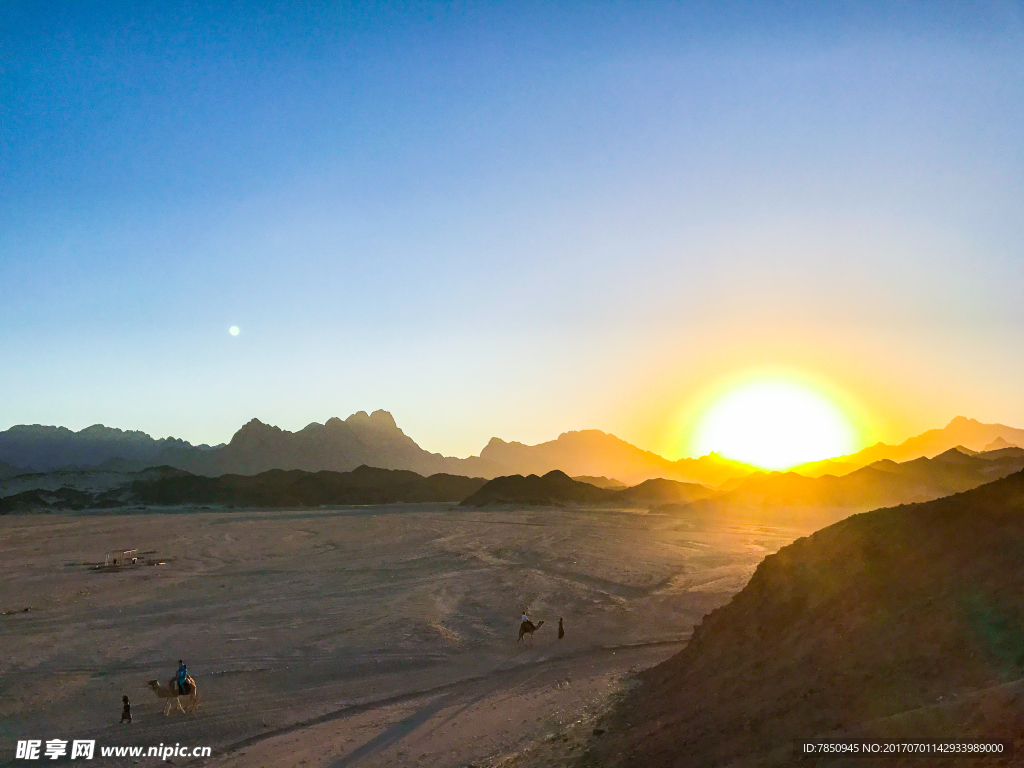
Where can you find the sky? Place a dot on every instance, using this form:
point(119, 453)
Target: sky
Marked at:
point(509, 219)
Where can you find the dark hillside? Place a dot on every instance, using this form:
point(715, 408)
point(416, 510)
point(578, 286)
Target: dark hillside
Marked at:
point(166, 486)
point(281, 488)
point(660, 491)
point(553, 489)
point(902, 610)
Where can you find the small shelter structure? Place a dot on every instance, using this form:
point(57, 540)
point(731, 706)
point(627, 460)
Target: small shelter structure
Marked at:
point(121, 557)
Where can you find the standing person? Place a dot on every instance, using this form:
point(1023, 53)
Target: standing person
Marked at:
point(561, 629)
point(126, 713)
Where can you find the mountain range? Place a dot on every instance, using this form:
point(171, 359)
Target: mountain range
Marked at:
point(592, 452)
point(557, 489)
point(790, 498)
point(776, 497)
point(342, 445)
point(961, 431)
point(376, 440)
point(338, 446)
point(166, 486)
point(295, 488)
point(899, 624)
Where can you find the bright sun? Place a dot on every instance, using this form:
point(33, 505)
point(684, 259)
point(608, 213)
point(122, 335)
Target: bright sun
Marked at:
point(774, 424)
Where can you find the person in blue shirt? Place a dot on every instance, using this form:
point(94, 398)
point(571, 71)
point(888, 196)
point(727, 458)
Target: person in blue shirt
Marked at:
point(182, 675)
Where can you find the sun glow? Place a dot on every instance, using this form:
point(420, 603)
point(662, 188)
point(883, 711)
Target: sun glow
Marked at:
point(774, 424)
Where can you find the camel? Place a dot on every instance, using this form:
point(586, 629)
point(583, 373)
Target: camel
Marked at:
point(170, 692)
point(528, 628)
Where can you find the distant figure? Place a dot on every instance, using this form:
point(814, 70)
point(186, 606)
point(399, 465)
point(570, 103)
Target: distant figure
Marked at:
point(528, 628)
point(126, 713)
point(561, 629)
point(182, 678)
point(173, 695)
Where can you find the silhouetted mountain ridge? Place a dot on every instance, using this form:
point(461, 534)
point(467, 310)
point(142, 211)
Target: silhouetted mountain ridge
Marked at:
point(593, 452)
point(601, 482)
point(167, 486)
point(375, 439)
point(338, 445)
point(558, 489)
point(998, 444)
point(552, 489)
point(43, 448)
point(296, 488)
point(788, 497)
point(961, 431)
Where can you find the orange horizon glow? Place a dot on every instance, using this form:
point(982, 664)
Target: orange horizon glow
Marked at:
point(773, 420)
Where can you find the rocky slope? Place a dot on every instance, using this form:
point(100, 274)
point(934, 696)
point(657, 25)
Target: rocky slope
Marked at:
point(878, 624)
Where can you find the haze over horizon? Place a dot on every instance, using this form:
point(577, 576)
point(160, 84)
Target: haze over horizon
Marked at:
point(513, 222)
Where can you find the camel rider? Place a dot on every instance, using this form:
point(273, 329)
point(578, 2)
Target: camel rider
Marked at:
point(182, 676)
point(525, 619)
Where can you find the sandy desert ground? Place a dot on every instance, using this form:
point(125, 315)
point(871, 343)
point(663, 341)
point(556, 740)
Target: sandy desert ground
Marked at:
point(352, 636)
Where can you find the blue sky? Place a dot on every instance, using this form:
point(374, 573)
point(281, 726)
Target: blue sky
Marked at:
point(507, 219)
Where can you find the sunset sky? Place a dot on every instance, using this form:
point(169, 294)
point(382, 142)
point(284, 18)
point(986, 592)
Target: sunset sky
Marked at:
point(509, 219)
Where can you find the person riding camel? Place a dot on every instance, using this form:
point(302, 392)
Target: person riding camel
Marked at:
point(527, 627)
point(182, 677)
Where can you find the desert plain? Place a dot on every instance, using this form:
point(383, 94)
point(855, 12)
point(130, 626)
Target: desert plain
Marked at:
point(354, 636)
